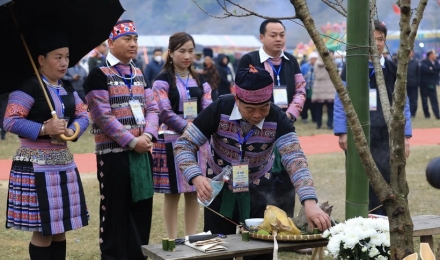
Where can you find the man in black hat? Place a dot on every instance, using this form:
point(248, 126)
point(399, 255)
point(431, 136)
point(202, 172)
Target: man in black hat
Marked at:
point(244, 129)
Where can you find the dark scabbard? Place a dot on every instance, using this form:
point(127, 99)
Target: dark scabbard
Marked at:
point(196, 238)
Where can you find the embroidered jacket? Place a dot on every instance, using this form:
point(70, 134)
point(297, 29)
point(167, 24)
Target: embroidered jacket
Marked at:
point(108, 97)
point(214, 122)
point(170, 99)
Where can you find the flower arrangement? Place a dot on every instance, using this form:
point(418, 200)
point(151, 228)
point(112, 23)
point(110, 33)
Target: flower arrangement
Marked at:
point(359, 238)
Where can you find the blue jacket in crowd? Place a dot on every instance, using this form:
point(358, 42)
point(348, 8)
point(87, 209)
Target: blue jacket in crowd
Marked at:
point(340, 119)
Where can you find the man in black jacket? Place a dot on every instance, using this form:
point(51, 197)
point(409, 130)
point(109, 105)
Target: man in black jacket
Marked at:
point(430, 69)
point(282, 66)
point(412, 84)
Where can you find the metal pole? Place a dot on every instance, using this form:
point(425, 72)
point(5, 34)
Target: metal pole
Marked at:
point(356, 203)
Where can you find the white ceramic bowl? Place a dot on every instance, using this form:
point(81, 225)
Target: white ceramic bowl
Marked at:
point(253, 221)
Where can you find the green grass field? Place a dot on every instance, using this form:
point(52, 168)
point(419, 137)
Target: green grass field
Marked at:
point(327, 170)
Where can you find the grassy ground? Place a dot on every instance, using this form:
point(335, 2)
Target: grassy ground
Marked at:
point(328, 172)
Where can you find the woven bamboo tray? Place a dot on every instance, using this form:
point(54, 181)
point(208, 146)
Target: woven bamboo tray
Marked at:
point(287, 238)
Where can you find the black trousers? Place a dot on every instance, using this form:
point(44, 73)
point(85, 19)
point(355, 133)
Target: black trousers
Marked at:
point(277, 190)
point(381, 156)
point(431, 93)
point(124, 225)
point(318, 107)
point(308, 105)
point(413, 96)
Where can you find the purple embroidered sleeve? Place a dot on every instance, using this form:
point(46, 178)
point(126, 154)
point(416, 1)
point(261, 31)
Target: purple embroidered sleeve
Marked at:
point(100, 111)
point(185, 150)
point(206, 99)
point(81, 116)
point(297, 104)
point(151, 113)
point(19, 105)
point(296, 165)
point(166, 114)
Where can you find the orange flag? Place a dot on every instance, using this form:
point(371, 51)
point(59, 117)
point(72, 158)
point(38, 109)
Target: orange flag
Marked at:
point(396, 9)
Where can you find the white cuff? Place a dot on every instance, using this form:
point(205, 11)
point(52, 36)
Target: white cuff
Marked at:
point(149, 136)
point(133, 143)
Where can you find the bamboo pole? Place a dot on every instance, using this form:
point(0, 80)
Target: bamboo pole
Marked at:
point(356, 203)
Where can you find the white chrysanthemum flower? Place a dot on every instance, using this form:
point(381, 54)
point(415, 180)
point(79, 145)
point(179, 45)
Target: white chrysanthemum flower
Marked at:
point(384, 225)
point(373, 252)
point(351, 238)
point(356, 232)
point(326, 234)
point(334, 244)
point(354, 222)
point(381, 257)
point(376, 239)
point(337, 229)
point(387, 240)
point(326, 252)
point(380, 224)
point(367, 232)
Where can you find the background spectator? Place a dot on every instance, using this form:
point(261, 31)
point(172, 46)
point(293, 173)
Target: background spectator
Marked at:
point(154, 67)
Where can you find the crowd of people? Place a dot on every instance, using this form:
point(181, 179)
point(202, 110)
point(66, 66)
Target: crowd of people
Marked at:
point(171, 125)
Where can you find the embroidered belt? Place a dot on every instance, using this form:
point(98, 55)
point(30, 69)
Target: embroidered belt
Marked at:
point(111, 150)
point(96, 130)
point(41, 156)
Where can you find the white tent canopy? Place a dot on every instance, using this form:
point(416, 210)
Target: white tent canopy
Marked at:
point(205, 40)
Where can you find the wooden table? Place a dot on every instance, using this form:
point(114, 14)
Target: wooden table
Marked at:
point(236, 248)
point(425, 226)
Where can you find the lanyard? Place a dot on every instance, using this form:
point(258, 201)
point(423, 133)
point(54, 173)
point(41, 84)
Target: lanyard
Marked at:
point(57, 91)
point(277, 72)
point(242, 141)
point(186, 85)
point(127, 83)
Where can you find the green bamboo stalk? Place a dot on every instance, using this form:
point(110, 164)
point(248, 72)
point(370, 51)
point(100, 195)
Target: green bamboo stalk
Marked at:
point(356, 203)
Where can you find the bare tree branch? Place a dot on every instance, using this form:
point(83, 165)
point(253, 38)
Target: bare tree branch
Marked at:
point(408, 33)
point(234, 13)
point(213, 16)
point(252, 13)
point(416, 21)
point(341, 5)
point(337, 6)
point(375, 58)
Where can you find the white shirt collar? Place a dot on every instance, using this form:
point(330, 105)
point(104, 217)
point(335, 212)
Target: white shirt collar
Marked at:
point(264, 56)
point(236, 115)
point(113, 60)
point(382, 61)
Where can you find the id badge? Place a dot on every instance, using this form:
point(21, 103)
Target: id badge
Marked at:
point(138, 114)
point(240, 176)
point(190, 109)
point(229, 77)
point(373, 99)
point(57, 139)
point(280, 96)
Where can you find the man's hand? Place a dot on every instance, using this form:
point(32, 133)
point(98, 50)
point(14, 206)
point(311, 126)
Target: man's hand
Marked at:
point(143, 144)
point(407, 147)
point(315, 216)
point(203, 189)
point(343, 141)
